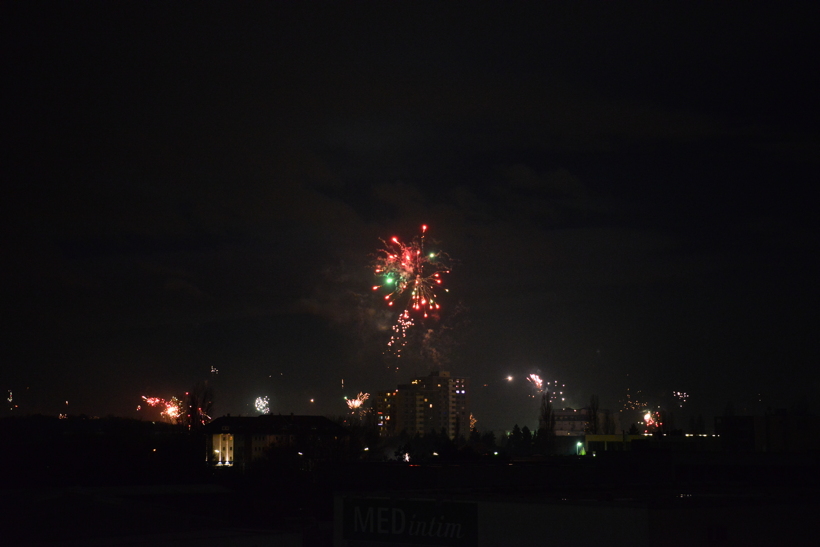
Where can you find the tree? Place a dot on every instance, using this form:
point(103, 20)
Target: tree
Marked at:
point(199, 404)
point(544, 438)
point(489, 440)
point(546, 418)
point(609, 425)
point(526, 441)
point(514, 440)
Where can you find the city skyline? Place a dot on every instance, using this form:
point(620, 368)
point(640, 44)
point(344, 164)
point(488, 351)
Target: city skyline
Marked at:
point(199, 194)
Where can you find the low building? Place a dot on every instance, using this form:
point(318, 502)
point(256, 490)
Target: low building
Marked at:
point(679, 444)
point(575, 422)
point(238, 440)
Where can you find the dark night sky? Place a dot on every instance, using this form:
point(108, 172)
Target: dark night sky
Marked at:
point(628, 191)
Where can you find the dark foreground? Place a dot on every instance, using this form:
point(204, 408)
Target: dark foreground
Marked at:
point(149, 488)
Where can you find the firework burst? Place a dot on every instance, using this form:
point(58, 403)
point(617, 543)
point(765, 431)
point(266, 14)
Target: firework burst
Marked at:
point(262, 405)
point(554, 389)
point(410, 273)
point(354, 404)
point(357, 405)
point(633, 402)
point(536, 381)
point(652, 421)
point(172, 410)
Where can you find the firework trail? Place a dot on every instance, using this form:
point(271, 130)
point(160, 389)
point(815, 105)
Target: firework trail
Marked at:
point(399, 337)
point(262, 405)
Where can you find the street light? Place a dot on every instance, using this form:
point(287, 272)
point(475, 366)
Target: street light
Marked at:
point(578, 448)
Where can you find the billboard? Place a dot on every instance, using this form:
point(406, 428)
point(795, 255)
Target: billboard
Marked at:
point(410, 521)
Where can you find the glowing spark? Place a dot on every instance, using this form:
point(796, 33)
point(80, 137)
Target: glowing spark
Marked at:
point(262, 405)
point(214, 370)
point(473, 421)
point(10, 398)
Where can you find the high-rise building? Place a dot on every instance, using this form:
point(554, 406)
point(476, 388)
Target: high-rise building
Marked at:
point(384, 405)
point(430, 403)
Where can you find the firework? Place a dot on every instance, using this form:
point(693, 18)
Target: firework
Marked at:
point(652, 421)
point(357, 405)
point(408, 269)
point(557, 391)
point(172, 410)
point(354, 404)
point(262, 405)
point(473, 421)
point(681, 396)
point(633, 403)
point(536, 381)
point(554, 389)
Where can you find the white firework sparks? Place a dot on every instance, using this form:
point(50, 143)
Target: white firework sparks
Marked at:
point(262, 405)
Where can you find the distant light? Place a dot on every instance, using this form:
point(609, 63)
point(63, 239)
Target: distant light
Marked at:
point(366, 449)
point(509, 378)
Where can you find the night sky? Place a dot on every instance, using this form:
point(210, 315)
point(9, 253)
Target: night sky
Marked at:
point(627, 192)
